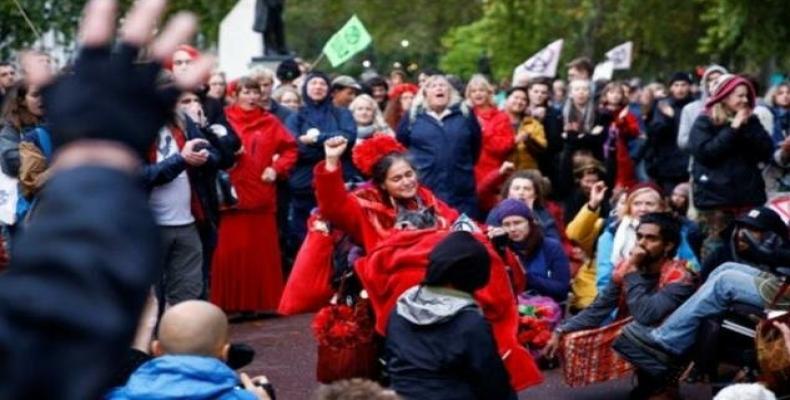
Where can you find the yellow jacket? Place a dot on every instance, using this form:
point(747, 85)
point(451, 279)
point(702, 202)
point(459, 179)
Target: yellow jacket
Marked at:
point(534, 142)
point(584, 231)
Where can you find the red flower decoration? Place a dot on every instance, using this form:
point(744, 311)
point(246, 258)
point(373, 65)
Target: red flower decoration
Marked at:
point(368, 153)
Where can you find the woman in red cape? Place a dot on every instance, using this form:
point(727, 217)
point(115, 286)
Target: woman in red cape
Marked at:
point(396, 259)
point(368, 214)
point(246, 273)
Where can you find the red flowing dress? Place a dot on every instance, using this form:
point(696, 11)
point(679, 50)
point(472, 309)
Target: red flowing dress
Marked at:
point(246, 274)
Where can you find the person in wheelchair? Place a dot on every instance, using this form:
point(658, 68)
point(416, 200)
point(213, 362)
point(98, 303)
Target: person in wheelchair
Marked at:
point(755, 277)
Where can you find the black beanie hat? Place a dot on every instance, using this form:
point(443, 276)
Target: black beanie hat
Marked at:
point(764, 219)
point(288, 70)
point(680, 76)
point(459, 260)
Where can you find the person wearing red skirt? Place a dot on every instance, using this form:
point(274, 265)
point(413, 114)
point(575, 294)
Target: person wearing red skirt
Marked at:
point(246, 273)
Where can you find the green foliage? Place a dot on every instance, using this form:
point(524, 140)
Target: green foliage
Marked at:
point(512, 30)
point(455, 35)
point(310, 23)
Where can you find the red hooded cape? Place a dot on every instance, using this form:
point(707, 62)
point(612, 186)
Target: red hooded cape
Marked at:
point(400, 261)
point(263, 137)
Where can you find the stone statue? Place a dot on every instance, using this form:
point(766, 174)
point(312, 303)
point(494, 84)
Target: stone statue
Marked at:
point(269, 22)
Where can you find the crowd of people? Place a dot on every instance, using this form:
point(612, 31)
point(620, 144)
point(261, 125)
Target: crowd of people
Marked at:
point(634, 211)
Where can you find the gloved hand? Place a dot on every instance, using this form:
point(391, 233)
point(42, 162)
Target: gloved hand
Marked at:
point(107, 95)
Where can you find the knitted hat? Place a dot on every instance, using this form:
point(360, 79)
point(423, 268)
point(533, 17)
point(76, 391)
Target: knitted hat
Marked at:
point(508, 208)
point(726, 84)
point(288, 70)
point(459, 260)
point(764, 219)
point(680, 76)
point(367, 154)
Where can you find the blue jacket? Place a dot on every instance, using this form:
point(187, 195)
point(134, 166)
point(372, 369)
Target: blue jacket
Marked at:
point(445, 154)
point(331, 121)
point(183, 378)
point(548, 270)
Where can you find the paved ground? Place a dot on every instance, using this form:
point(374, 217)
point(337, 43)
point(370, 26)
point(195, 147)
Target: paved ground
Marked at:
point(286, 353)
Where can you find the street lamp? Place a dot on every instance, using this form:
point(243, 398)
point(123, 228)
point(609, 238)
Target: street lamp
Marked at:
point(366, 63)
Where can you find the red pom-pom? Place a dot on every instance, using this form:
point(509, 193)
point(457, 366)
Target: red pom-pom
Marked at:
point(373, 149)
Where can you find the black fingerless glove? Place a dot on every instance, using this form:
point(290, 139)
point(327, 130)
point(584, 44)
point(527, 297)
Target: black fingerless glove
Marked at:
point(110, 97)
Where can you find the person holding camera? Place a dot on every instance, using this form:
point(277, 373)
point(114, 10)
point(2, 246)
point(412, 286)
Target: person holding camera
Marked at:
point(543, 259)
point(179, 174)
point(189, 360)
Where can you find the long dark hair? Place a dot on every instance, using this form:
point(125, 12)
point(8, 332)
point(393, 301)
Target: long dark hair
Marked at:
point(15, 111)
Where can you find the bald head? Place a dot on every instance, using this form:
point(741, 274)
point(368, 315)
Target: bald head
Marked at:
point(194, 327)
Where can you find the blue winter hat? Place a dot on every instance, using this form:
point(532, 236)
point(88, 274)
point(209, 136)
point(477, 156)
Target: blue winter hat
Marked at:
point(510, 207)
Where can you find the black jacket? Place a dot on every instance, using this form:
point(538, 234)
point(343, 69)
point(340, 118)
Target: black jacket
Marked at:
point(725, 170)
point(453, 360)
point(202, 180)
point(664, 158)
point(79, 275)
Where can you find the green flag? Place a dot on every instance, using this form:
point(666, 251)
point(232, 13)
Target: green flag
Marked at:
point(349, 40)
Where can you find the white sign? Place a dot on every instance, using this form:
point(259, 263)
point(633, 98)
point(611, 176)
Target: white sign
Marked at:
point(621, 55)
point(543, 63)
point(603, 71)
point(238, 43)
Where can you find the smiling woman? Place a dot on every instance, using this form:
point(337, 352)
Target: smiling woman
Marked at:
point(368, 214)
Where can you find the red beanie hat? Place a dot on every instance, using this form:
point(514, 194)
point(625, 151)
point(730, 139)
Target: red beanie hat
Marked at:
point(193, 54)
point(726, 84)
point(372, 150)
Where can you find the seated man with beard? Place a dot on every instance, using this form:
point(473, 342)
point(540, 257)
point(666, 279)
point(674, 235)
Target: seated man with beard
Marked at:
point(762, 240)
point(647, 286)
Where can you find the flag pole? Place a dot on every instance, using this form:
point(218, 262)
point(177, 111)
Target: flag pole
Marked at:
point(317, 60)
point(27, 19)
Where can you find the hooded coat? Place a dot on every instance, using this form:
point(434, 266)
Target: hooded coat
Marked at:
point(439, 346)
point(400, 261)
point(183, 378)
point(445, 152)
point(330, 121)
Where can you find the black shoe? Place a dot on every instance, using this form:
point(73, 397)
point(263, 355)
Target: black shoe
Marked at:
point(637, 347)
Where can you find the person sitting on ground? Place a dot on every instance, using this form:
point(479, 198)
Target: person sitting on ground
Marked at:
point(583, 232)
point(543, 259)
point(647, 285)
point(660, 350)
point(189, 355)
point(619, 237)
point(439, 345)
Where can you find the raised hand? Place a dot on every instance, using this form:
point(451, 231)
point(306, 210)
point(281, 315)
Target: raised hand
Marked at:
point(109, 96)
point(597, 193)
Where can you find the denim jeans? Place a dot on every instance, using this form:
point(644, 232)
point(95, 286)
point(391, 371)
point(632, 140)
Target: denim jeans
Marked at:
point(729, 283)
